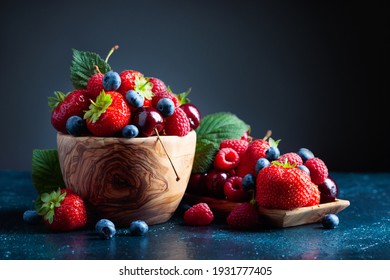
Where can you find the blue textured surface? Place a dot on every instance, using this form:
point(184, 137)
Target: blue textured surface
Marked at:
point(363, 233)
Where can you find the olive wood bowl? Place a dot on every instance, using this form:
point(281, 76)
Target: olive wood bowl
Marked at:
point(127, 179)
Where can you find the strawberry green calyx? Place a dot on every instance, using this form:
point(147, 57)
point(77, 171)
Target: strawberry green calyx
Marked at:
point(97, 108)
point(47, 202)
point(55, 100)
point(143, 87)
point(183, 97)
point(285, 164)
point(273, 143)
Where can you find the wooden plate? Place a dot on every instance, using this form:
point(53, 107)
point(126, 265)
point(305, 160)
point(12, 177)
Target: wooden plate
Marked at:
point(274, 217)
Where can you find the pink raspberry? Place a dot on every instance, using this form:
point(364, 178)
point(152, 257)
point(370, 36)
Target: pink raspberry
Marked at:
point(318, 170)
point(234, 191)
point(226, 159)
point(198, 215)
point(239, 146)
point(292, 158)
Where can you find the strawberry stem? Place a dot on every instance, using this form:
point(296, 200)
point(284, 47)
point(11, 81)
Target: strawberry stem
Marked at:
point(267, 135)
point(174, 169)
point(114, 48)
point(97, 68)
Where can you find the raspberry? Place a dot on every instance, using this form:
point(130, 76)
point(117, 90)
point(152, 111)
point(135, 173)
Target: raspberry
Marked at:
point(234, 191)
point(243, 216)
point(95, 86)
point(165, 94)
point(177, 124)
point(158, 85)
point(226, 159)
point(239, 146)
point(318, 170)
point(198, 215)
point(255, 150)
point(292, 158)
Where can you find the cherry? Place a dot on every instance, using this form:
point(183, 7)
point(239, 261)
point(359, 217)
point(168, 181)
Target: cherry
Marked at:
point(197, 183)
point(215, 182)
point(147, 119)
point(328, 190)
point(192, 113)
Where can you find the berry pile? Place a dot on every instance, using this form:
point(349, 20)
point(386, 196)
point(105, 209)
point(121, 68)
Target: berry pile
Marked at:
point(254, 172)
point(125, 104)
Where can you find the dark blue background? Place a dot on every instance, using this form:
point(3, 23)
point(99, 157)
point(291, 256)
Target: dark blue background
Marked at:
point(314, 73)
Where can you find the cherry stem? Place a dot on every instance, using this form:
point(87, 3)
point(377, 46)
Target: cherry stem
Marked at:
point(162, 144)
point(97, 68)
point(114, 48)
point(267, 135)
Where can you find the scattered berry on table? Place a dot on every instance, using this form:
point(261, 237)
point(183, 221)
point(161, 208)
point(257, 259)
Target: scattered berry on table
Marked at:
point(138, 228)
point(76, 126)
point(244, 216)
point(31, 217)
point(130, 131)
point(330, 221)
point(226, 159)
point(111, 81)
point(318, 170)
point(135, 99)
point(198, 215)
point(261, 163)
point(166, 107)
point(305, 154)
point(105, 228)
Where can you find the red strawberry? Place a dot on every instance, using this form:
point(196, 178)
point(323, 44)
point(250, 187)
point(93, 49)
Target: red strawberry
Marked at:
point(62, 210)
point(233, 190)
point(244, 216)
point(108, 115)
point(128, 78)
point(65, 106)
point(255, 150)
point(164, 94)
point(158, 85)
point(318, 170)
point(291, 158)
point(239, 146)
point(95, 86)
point(198, 215)
point(177, 124)
point(226, 159)
point(284, 187)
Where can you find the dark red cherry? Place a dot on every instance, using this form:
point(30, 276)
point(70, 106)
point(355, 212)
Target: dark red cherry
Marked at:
point(197, 183)
point(328, 191)
point(147, 119)
point(192, 113)
point(215, 182)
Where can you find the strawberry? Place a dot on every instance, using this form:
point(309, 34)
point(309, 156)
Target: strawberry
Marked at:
point(256, 149)
point(65, 106)
point(282, 186)
point(108, 115)
point(164, 94)
point(62, 210)
point(226, 159)
point(177, 124)
point(158, 85)
point(198, 215)
point(244, 216)
point(292, 158)
point(95, 86)
point(128, 78)
point(318, 170)
point(239, 146)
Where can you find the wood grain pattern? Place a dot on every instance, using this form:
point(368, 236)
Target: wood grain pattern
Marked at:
point(127, 179)
point(274, 217)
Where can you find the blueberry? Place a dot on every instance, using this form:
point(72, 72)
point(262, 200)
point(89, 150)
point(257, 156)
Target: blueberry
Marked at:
point(111, 80)
point(166, 107)
point(105, 228)
point(330, 221)
point(304, 168)
point(31, 217)
point(76, 126)
point(135, 99)
point(138, 228)
point(248, 182)
point(130, 131)
point(261, 163)
point(305, 154)
point(272, 153)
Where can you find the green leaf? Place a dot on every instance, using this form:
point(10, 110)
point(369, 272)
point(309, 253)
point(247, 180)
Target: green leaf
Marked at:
point(212, 130)
point(83, 67)
point(46, 171)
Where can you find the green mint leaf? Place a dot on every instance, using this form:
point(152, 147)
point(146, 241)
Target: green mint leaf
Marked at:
point(83, 67)
point(213, 129)
point(46, 171)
